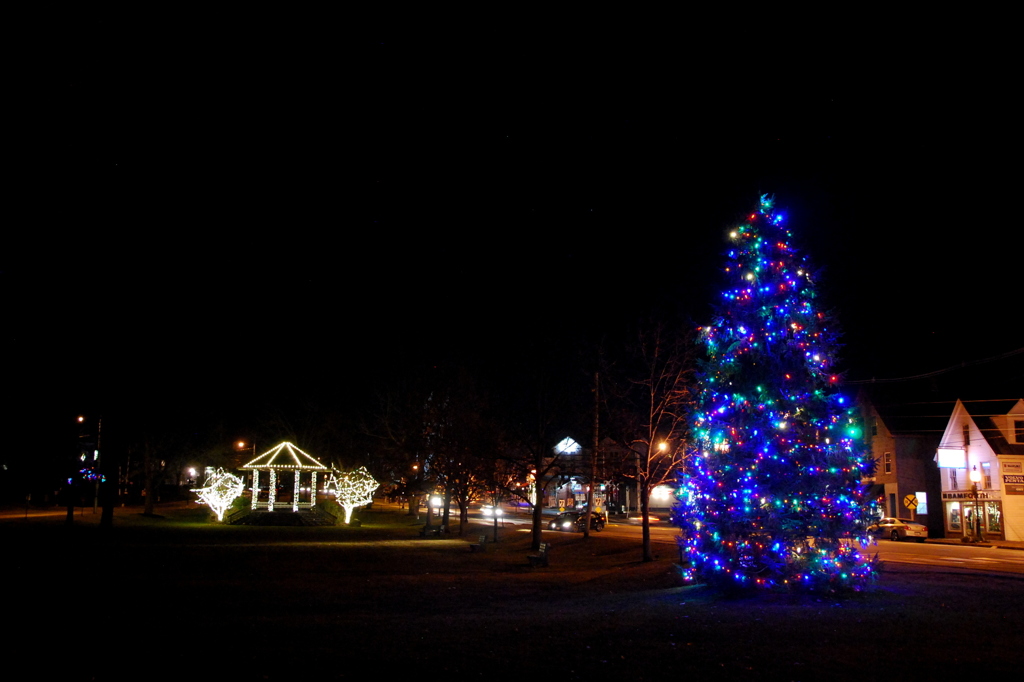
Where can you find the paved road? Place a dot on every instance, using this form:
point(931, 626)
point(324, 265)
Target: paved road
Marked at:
point(989, 559)
point(951, 556)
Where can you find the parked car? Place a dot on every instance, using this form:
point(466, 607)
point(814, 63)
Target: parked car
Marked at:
point(899, 529)
point(574, 520)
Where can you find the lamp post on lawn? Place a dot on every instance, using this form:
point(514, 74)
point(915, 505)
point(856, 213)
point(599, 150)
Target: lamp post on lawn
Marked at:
point(242, 446)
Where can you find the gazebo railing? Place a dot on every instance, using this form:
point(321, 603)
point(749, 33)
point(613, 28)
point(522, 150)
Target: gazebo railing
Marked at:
point(282, 505)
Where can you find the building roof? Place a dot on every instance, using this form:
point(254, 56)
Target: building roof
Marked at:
point(914, 408)
point(285, 456)
point(984, 414)
point(907, 412)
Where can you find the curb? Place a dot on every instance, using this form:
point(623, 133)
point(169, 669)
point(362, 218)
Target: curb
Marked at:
point(956, 543)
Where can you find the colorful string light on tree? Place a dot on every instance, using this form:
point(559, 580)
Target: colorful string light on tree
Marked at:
point(773, 495)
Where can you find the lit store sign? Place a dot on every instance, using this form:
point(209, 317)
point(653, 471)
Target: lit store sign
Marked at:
point(968, 495)
point(1013, 484)
point(951, 458)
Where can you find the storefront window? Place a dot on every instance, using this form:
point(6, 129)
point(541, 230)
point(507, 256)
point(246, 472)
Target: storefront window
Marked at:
point(969, 517)
point(995, 517)
point(953, 516)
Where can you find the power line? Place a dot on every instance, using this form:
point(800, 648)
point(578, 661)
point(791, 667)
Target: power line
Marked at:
point(939, 371)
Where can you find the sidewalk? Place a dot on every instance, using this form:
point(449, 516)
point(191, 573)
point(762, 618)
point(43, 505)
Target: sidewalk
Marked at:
point(1002, 544)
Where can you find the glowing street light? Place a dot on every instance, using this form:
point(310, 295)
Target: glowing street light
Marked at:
point(975, 479)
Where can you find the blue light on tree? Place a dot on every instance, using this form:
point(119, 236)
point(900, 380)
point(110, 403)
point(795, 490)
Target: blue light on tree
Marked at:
point(773, 495)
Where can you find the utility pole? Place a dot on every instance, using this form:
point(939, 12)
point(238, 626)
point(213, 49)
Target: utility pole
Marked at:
point(593, 462)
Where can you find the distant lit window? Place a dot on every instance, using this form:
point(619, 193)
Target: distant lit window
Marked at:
point(887, 462)
point(986, 470)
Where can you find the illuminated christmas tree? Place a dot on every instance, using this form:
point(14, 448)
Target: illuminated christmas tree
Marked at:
point(772, 495)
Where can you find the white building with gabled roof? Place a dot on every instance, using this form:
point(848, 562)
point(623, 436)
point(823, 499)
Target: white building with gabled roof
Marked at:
point(983, 439)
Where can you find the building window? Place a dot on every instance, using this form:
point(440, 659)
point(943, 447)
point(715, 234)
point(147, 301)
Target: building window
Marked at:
point(986, 472)
point(970, 517)
point(1018, 430)
point(994, 517)
point(887, 463)
point(953, 521)
point(874, 428)
point(967, 435)
point(952, 479)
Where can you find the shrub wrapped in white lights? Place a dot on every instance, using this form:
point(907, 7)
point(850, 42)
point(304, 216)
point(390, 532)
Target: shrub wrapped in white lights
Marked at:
point(352, 489)
point(220, 491)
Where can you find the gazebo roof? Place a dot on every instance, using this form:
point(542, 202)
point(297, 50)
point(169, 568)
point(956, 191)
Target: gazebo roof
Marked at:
point(286, 456)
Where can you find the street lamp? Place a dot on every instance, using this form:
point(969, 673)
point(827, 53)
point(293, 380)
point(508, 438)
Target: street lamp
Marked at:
point(242, 446)
point(975, 479)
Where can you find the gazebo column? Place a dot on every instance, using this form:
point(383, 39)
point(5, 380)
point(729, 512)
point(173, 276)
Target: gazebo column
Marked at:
point(295, 492)
point(273, 490)
point(255, 487)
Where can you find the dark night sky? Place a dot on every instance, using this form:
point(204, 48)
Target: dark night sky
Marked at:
point(216, 215)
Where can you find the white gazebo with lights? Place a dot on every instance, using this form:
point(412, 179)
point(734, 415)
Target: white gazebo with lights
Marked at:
point(277, 462)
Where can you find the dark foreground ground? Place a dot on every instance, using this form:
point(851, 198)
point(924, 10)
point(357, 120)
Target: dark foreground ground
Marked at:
point(174, 597)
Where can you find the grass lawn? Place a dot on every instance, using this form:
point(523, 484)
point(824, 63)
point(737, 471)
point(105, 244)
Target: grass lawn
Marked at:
point(175, 597)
